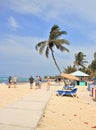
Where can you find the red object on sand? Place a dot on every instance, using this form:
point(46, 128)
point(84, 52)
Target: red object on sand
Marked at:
point(94, 126)
point(93, 92)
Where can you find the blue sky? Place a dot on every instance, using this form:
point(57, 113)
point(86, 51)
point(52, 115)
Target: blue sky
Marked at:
point(24, 23)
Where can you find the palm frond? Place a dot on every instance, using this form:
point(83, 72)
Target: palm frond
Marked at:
point(59, 44)
point(55, 32)
point(54, 27)
point(41, 49)
point(47, 52)
point(60, 41)
point(80, 59)
point(40, 44)
point(62, 48)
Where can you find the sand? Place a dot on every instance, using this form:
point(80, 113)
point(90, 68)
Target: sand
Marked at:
point(68, 113)
point(61, 113)
point(10, 95)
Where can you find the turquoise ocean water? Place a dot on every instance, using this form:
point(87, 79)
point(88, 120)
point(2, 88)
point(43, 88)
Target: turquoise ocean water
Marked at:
point(20, 79)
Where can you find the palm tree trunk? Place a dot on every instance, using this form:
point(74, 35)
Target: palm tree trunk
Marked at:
point(55, 62)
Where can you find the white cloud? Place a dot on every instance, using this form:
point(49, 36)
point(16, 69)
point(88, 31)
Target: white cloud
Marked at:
point(23, 54)
point(17, 46)
point(74, 15)
point(55, 9)
point(20, 51)
point(21, 47)
point(13, 23)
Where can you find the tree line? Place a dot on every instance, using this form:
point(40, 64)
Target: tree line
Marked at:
point(80, 63)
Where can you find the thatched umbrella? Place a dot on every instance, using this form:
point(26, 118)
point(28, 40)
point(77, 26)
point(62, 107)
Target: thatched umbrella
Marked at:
point(69, 76)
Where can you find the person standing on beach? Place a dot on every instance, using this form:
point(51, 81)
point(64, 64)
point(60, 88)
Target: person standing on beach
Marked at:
point(37, 82)
point(48, 83)
point(31, 80)
point(40, 80)
point(9, 81)
point(15, 81)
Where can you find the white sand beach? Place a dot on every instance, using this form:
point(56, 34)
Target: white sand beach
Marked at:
point(10, 95)
point(68, 113)
point(61, 113)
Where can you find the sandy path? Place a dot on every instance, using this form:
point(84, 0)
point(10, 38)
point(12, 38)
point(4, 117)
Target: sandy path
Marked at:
point(10, 95)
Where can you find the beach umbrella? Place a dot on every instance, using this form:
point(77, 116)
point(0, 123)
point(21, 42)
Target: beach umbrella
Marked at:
point(69, 76)
point(80, 74)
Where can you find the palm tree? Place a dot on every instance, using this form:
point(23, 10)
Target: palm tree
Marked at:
point(80, 60)
point(53, 42)
point(95, 56)
point(93, 65)
point(70, 69)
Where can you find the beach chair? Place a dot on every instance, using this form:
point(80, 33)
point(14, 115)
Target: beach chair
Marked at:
point(70, 87)
point(69, 93)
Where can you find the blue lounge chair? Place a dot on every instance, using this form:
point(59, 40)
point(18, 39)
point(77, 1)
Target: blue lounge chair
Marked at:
point(70, 87)
point(69, 93)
